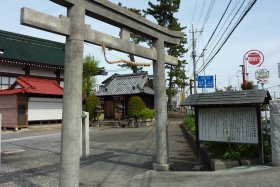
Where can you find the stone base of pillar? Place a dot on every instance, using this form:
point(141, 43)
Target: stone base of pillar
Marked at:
point(161, 167)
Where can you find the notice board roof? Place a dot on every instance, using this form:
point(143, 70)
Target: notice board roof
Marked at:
point(244, 97)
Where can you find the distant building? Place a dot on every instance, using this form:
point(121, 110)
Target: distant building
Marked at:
point(29, 56)
point(36, 65)
point(118, 89)
point(30, 99)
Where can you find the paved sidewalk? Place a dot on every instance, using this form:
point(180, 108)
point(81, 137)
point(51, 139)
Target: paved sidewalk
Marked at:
point(257, 176)
point(181, 156)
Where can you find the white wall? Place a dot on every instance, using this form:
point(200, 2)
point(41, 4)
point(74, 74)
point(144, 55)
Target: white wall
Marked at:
point(11, 68)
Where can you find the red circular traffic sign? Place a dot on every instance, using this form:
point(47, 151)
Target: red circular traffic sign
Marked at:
point(254, 57)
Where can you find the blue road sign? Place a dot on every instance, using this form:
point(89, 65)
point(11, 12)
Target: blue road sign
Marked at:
point(209, 79)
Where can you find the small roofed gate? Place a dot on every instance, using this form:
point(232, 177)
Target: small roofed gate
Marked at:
point(76, 32)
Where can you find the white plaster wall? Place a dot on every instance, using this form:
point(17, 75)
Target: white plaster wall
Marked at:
point(38, 71)
point(11, 68)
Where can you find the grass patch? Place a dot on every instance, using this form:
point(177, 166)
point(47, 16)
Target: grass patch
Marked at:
point(190, 123)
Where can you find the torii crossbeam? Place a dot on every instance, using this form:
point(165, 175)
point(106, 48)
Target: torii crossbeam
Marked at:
point(76, 32)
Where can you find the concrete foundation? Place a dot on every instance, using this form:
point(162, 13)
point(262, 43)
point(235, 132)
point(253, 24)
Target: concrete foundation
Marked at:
point(218, 164)
point(161, 167)
point(275, 131)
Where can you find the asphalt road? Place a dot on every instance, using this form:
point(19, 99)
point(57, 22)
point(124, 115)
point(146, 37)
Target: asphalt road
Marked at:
point(31, 157)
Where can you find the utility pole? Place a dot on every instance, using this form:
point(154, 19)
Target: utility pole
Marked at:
point(204, 79)
point(194, 59)
point(243, 74)
point(194, 63)
point(191, 86)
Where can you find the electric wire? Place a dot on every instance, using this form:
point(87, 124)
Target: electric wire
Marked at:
point(194, 9)
point(213, 33)
point(207, 15)
point(233, 29)
point(226, 20)
point(210, 8)
point(200, 14)
point(233, 18)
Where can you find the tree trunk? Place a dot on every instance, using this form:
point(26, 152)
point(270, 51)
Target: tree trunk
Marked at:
point(132, 59)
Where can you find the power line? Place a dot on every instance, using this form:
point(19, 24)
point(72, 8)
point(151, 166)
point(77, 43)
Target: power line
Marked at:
point(207, 15)
point(194, 10)
point(233, 18)
point(226, 39)
point(226, 20)
point(226, 29)
point(200, 14)
point(215, 30)
point(210, 8)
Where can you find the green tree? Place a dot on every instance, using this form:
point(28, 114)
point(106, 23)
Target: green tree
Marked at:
point(136, 39)
point(135, 106)
point(91, 103)
point(248, 85)
point(164, 14)
point(90, 69)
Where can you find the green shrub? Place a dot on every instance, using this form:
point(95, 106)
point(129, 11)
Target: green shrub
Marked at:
point(147, 113)
point(190, 123)
point(231, 155)
point(91, 103)
point(135, 106)
point(236, 151)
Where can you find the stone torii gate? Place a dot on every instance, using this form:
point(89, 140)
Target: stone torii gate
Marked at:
point(76, 32)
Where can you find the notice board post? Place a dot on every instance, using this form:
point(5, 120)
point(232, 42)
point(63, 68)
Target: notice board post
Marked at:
point(229, 117)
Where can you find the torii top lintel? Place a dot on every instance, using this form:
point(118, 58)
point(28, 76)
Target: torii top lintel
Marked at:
point(115, 15)
point(108, 12)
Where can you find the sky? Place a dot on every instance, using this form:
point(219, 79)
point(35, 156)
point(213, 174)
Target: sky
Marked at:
point(258, 30)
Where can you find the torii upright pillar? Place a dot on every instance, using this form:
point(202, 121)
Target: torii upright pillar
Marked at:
point(72, 99)
point(160, 109)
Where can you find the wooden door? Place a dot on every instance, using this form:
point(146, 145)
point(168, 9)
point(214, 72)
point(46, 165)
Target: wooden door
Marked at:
point(109, 109)
point(22, 115)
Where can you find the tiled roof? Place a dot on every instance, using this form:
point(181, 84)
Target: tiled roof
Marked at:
point(28, 49)
point(35, 86)
point(125, 85)
point(228, 98)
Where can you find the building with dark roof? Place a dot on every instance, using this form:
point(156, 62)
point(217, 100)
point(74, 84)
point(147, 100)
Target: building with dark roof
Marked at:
point(118, 89)
point(29, 56)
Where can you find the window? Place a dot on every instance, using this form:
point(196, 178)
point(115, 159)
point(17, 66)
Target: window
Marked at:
point(6, 82)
